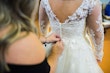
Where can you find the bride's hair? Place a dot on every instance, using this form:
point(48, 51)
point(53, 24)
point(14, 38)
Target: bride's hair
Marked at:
point(17, 15)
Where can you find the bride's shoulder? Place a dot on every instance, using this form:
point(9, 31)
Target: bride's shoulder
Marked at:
point(92, 3)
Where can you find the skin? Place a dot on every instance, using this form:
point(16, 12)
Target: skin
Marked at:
point(30, 51)
point(70, 6)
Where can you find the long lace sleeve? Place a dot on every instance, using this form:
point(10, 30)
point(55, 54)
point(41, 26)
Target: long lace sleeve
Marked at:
point(43, 18)
point(96, 31)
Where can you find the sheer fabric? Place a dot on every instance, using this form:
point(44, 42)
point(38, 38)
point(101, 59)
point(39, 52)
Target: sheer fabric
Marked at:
point(78, 55)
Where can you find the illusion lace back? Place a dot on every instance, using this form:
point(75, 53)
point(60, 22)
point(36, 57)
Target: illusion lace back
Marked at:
point(78, 55)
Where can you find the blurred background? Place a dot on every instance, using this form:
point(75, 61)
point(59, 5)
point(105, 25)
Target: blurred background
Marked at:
point(105, 1)
point(105, 64)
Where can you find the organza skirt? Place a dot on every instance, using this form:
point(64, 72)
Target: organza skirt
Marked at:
point(77, 57)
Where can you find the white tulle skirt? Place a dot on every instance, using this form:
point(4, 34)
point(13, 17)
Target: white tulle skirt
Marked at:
point(77, 57)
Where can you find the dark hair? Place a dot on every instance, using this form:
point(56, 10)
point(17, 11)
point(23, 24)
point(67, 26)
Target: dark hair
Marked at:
point(17, 14)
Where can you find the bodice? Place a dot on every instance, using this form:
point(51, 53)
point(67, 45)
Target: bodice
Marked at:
point(69, 30)
point(74, 25)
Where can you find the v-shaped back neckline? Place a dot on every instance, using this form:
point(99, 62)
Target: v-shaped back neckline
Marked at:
point(68, 17)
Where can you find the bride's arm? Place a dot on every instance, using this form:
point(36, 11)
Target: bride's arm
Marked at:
point(43, 19)
point(43, 23)
point(94, 23)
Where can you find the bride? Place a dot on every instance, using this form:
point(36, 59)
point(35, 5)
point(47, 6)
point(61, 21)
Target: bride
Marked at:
point(72, 20)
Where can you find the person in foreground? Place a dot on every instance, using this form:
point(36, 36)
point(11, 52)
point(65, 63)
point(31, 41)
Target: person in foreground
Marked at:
point(79, 24)
point(21, 51)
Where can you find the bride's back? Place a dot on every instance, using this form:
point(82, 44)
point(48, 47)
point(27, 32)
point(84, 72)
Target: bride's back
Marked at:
point(64, 8)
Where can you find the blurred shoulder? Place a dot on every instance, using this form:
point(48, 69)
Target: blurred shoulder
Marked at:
point(27, 50)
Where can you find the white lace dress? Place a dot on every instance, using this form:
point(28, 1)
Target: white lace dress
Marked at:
point(78, 55)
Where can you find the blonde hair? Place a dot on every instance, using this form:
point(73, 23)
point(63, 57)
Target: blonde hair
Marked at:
point(17, 14)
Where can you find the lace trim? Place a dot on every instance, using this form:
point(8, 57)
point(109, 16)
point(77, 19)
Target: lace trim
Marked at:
point(98, 46)
point(43, 27)
point(92, 5)
point(99, 19)
point(101, 30)
point(98, 42)
point(42, 4)
point(79, 14)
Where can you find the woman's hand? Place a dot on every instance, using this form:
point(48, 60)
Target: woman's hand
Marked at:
point(53, 38)
point(57, 48)
point(50, 39)
point(56, 51)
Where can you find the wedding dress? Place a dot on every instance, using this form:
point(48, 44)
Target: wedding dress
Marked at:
point(79, 56)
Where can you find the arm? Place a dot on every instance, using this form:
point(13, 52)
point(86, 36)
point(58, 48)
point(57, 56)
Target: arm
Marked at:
point(43, 23)
point(29, 53)
point(54, 55)
point(94, 23)
point(43, 19)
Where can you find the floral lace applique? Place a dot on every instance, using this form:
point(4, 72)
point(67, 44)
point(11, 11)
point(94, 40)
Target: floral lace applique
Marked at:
point(97, 41)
